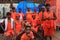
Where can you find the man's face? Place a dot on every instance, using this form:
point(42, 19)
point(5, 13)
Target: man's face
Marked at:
point(9, 16)
point(28, 9)
point(43, 9)
point(48, 8)
point(35, 10)
point(27, 31)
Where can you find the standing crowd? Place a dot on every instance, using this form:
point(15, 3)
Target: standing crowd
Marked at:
point(37, 26)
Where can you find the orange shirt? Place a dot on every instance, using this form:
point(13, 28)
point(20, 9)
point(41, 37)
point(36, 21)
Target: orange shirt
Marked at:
point(9, 31)
point(18, 25)
point(34, 23)
point(13, 15)
point(40, 18)
point(48, 23)
point(37, 16)
point(9, 26)
point(28, 21)
point(25, 37)
point(29, 15)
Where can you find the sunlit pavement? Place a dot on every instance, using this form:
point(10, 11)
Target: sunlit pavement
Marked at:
point(56, 36)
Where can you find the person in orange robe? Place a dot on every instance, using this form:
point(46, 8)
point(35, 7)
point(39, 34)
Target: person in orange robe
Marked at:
point(28, 35)
point(36, 14)
point(49, 27)
point(35, 19)
point(21, 15)
point(34, 24)
point(41, 22)
point(18, 24)
point(13, 13)
point(9, 30)
point(41, 16)
point(28, 14)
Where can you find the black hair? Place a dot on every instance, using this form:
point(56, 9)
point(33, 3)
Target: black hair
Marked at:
point(19, 9)
point(27, 27)
point(13, 8)
point(8, 13)
point(47, 5)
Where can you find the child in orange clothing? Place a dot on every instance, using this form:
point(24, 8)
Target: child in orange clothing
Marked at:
point(28, 35)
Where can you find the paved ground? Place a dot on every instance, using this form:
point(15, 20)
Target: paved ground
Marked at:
point(57, 36)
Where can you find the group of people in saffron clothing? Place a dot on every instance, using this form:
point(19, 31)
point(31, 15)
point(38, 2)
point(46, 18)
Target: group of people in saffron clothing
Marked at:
point(42, 23)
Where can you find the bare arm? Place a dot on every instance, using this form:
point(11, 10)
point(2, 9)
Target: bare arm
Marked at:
point(54, 16)
point(2, 27)
point(2, 24)
point(43, 17)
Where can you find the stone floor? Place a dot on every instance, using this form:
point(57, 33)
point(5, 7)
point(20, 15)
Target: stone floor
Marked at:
point(57, 36)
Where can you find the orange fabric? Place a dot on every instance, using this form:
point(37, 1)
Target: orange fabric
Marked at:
point(9, 30)
point(17, 14)
point(18, 25)
point(34, 27)
point(40, 16)
point(41, 21)
point(9, 26)
point(25, 37)
point(28, 15)
point(37, 16)
point(13, 15)
point(48, 24)
point(28, 21)
point(35, 22)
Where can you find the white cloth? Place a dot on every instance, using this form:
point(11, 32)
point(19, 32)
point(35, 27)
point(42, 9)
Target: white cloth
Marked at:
point(21, 16)
point(6, 23)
